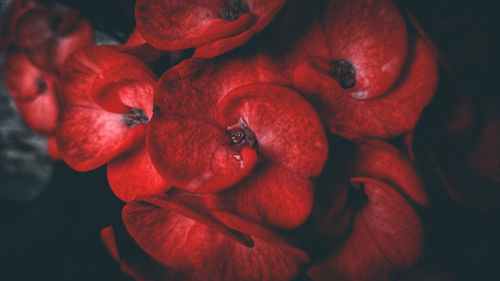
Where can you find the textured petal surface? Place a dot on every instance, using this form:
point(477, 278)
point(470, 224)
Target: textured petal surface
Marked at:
point(185, 239)
point(187, 142)
point(132, 174)
point(89, 138)
point(385, 116)
point(287, 129)
point(371, 35)
point(272, 196)
point(386, 238)
point(375, 191)
point(266, 260)
point(202, 23)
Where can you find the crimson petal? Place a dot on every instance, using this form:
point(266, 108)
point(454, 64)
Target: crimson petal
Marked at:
point(132, 174)
point(184, 239)
point(137, 46)
point(270, 259)
point(286, 127)
point(380, 160)
point(386, 238)
point(201, 24)
point(272, 196)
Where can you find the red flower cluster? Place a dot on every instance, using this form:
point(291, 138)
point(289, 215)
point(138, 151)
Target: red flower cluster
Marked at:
point(37, 39)
point(229, 155)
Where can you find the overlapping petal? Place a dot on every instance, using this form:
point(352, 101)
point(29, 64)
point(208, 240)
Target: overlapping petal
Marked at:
point(216, 244)
point(386, 238)
point(47, 33)
point(378, 193)
point(132, 174)
point(105, 95)
point(391, 114)
point(186, 125)
point(211, 27)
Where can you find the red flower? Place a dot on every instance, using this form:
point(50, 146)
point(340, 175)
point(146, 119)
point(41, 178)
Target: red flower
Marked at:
point(386, 236)
point(352, 60)
point(211, 27)
point(219, 126)
point(106, 102)
point(39, 38)
point(33, 91)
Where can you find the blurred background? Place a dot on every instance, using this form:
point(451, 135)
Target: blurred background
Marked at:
point(50, 215)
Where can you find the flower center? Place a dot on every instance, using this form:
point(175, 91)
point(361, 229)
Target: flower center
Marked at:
point(240, 135)
point(234, 9)
point(135, 117)
point(343, 71)
point(42, 85)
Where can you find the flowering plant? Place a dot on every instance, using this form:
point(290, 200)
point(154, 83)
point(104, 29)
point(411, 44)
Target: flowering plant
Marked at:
point(266, 127)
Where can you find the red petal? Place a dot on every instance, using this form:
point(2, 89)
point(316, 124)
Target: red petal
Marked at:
point(386, 116)
point(132, 174)
point(198, 23)
point(33, 92)
point(100, 64)
point(161, 226)
point(52, 149)
point(186, 240)
point(386, 238)
point(222, 259)
point(144, 270)
point(384, 162)
point(287, 129)
point(137, 46)
point(10, 17)
point(89, 137)
point(272, 196)
point(334, 217)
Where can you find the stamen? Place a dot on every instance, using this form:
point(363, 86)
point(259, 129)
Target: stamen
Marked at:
point(234, 9)
point(135, 117)
point(343, 71)
point(42, 85)
point(240, 135)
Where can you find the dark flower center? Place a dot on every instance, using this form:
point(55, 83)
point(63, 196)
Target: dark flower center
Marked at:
point(234, 9)
point(240, 135)
point(343, 71)
point(42, 85)
point(135, 117)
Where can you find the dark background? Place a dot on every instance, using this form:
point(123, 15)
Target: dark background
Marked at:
point(54, 236)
